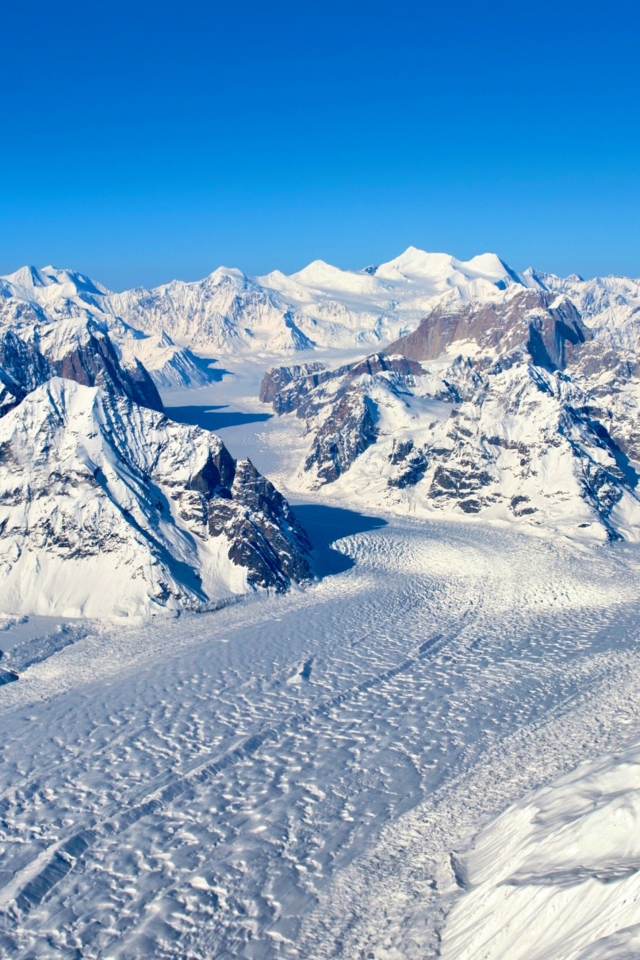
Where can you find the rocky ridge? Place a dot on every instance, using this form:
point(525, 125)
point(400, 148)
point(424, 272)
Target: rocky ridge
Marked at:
point(32, 350)
point(57, 302)
point(511, 412)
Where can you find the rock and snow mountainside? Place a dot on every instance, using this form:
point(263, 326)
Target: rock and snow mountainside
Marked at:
point(22, 369)
point(609, 305)
point(508, 411)
point(77, 347)
point(108, 508)
point(556, 877)
point(60, 304)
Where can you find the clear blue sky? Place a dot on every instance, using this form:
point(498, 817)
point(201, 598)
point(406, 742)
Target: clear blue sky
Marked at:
point(141, 141)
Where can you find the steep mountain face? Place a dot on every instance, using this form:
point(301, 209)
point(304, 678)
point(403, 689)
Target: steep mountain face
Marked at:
point(513, 415)
point(292, 388)
point(22, 369)
point(95, 489)
point(80, 349)
point(226, 312)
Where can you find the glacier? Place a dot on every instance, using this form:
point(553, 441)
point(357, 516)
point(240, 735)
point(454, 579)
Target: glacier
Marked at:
point(319, 614)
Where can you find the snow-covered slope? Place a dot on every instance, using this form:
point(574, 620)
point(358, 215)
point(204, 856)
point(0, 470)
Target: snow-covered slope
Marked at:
point(108, 508)
point(45, 299)
point(226, 312)
point(556, 877)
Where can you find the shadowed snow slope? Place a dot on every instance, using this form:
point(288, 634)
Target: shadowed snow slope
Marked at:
point(108, 508)
point(557, 877)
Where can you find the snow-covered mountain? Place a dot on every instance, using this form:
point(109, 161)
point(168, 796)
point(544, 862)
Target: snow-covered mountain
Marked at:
point(76, 348)
point(228, 312)
point(59, 302)
point(609, 305)
point(320, 305)
point(507, 410)
point(108, 508)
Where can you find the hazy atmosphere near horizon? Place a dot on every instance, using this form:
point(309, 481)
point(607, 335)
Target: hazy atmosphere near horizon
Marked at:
point(146, 142)
point(319, 480)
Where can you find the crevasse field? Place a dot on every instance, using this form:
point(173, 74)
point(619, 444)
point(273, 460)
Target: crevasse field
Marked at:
point(318, 774)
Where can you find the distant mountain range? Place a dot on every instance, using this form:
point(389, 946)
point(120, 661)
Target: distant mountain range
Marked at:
point(321, 305)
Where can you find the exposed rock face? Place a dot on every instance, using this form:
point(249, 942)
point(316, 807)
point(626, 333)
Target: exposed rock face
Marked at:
point(265, 538)
point(414, 464)
point(22, 369)
point(277, 378)
point(343, 436)
point(548, 325)
point(109, 508)
point(350, 424)
point(91, 359)
point(289, 388)
point(76, 349)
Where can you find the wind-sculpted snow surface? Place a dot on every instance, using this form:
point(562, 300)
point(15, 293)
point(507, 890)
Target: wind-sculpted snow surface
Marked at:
point(288, 777)
point(108, 508)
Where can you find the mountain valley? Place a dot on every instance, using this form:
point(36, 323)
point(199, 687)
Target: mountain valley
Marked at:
point(304, 581)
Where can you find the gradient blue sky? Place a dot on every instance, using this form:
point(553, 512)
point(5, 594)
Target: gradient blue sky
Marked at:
point(144, 141)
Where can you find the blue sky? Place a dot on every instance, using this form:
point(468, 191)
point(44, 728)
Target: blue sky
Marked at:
point(144, 141)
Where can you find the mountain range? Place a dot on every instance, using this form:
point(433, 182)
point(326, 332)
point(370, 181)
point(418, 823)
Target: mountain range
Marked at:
point(509, 397)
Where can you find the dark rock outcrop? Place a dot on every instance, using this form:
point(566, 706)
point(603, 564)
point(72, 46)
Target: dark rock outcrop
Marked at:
point(92, 361)
point(414, 464)
point(343, 436)
point(277, 378)
point(27, 361)
point(288, 388)
point(265, 536)
point(551, 329)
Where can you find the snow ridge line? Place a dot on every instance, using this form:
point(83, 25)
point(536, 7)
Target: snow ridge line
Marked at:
point(72, 850)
